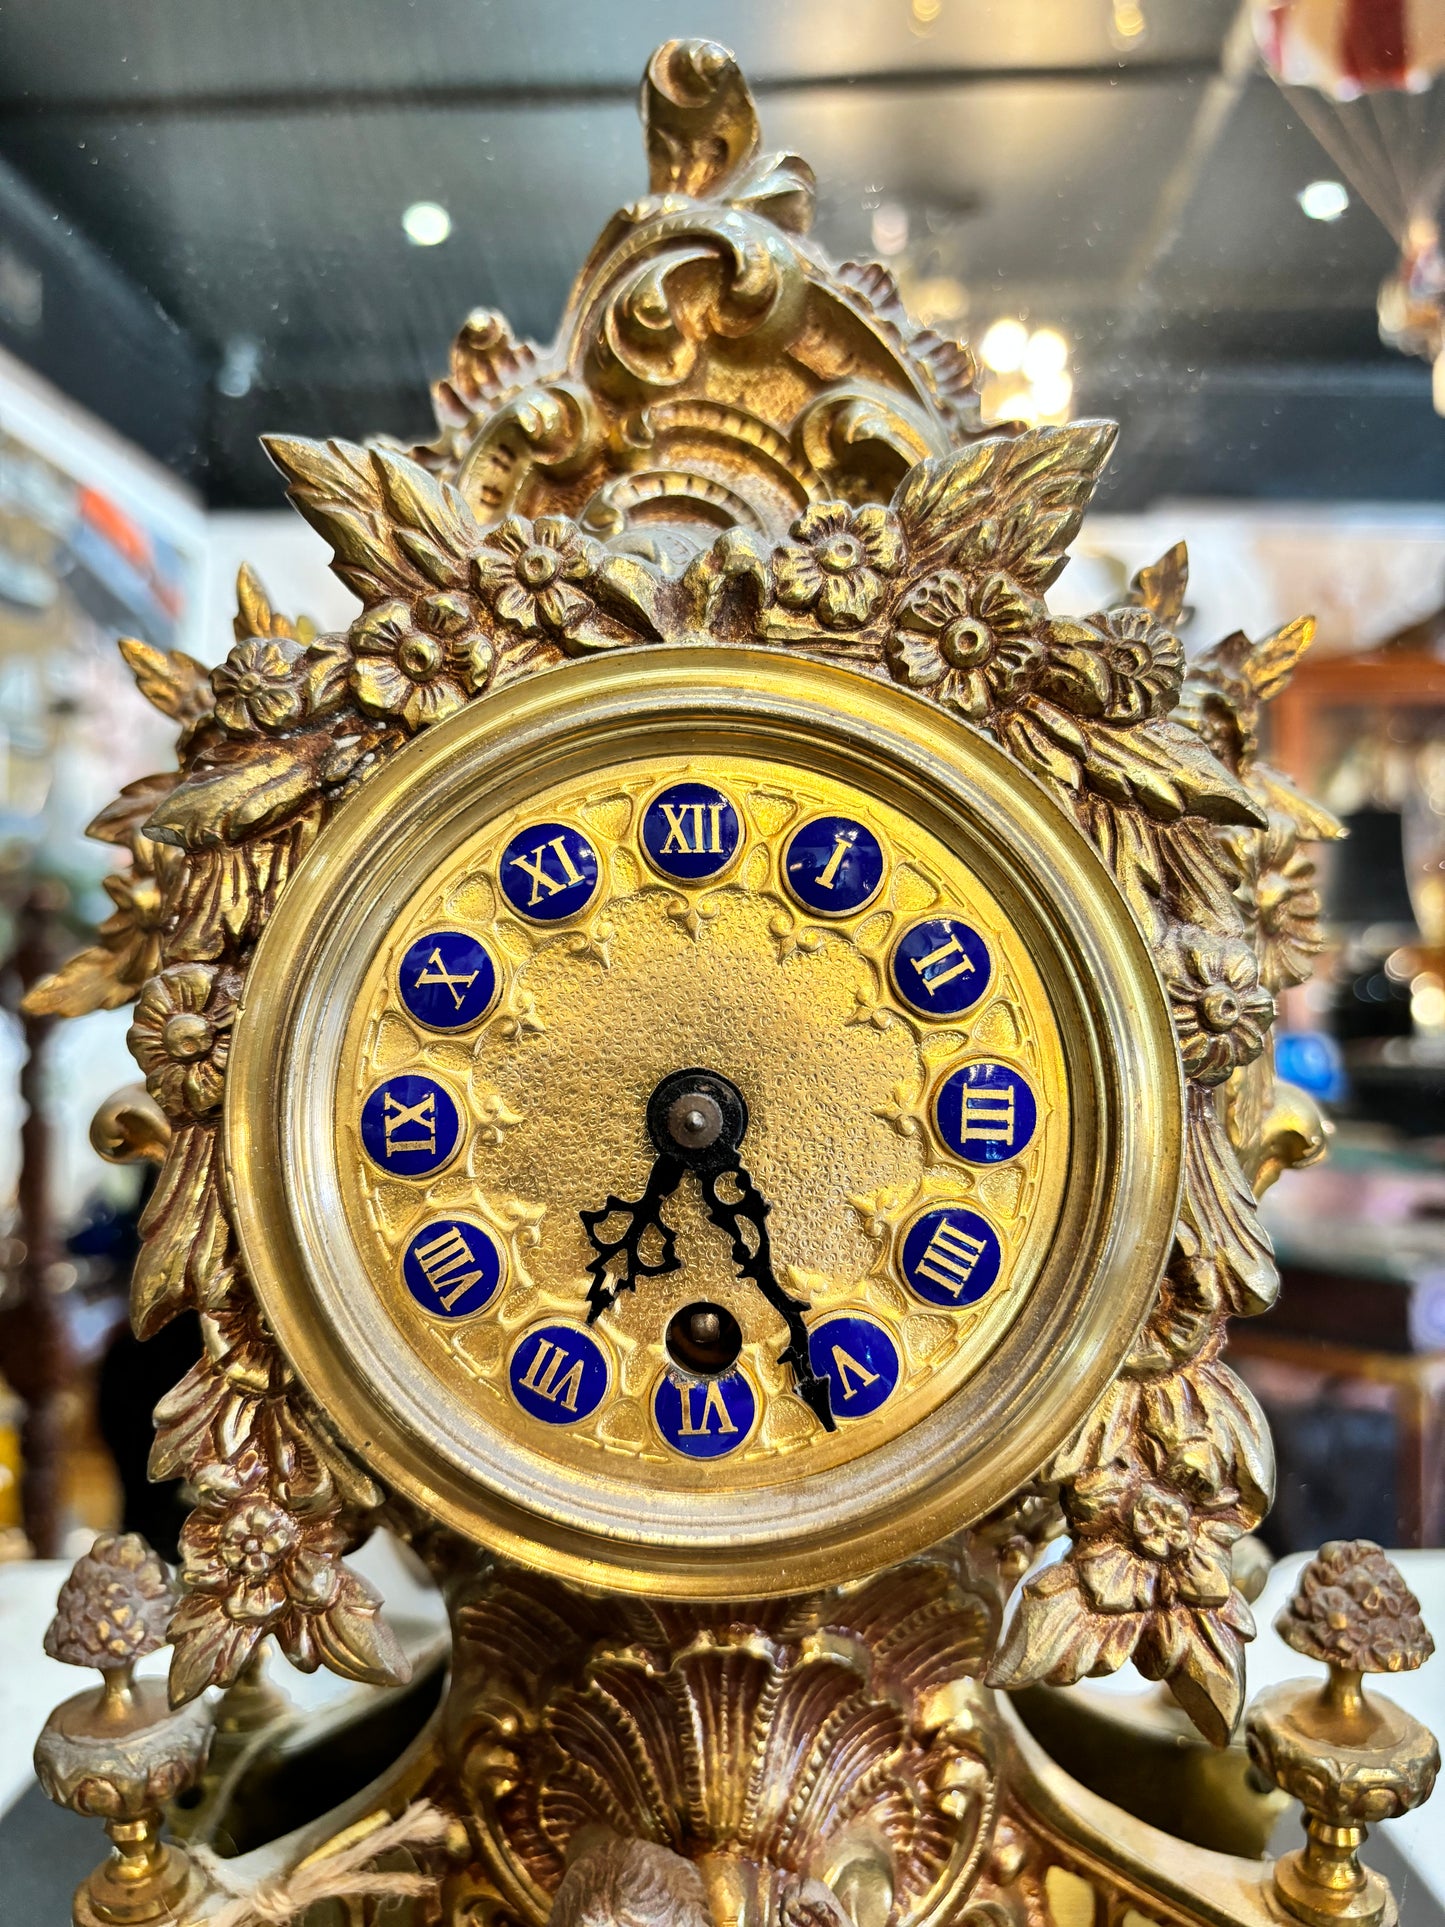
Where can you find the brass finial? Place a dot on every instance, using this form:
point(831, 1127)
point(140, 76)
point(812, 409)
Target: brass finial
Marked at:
point(1349, 1760)
point(118, 1751)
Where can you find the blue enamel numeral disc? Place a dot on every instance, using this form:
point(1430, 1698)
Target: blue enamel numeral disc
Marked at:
point(549, 871)
point(410, 1126)
point(704, 1418)
point(833, 865)
point(951, 1257)
point(985, 1112)
point(940, 967)
point(558, 1373)
point(690, 831)
point(447, 980)
point(859, 1360)
point(452, 1267)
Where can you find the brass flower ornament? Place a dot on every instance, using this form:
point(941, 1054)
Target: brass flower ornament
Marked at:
point(181, 1038)
point(1221, 1010)
point(419, 661)
point(1123, 666)
point(531, 572)
point(972, 646)
point(836, 562)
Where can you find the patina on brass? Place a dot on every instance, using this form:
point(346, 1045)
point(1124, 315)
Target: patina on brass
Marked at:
point(747, 488)
point(1350, 1760)
point(120, 1752)
point(1022, 1377)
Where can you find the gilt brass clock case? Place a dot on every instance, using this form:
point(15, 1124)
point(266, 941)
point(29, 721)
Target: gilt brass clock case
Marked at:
point(719, 1537)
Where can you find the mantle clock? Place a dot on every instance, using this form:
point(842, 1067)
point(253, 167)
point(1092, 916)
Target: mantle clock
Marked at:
point(709, 1064)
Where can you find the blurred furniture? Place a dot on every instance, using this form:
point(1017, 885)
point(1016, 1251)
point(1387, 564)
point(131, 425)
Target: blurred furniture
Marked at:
point(1321, 710)
point(62, 1298)
point(33, 1349)
point(1349, 1364)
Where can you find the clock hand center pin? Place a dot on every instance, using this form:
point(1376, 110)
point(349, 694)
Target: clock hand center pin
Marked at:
point(697, 1120)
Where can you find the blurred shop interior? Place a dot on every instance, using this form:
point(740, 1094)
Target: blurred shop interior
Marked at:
point(1215, 223)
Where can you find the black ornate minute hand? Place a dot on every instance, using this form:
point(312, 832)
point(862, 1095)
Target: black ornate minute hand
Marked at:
point(697, 1120)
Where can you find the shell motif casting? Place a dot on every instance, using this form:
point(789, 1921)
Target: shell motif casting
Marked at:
point(612, 491)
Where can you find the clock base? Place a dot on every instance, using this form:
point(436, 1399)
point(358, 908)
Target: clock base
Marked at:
point(830, 1760)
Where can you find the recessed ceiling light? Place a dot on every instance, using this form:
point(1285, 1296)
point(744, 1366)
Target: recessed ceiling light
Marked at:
point(1323, 200)
point(240, 365)
point(426, 224)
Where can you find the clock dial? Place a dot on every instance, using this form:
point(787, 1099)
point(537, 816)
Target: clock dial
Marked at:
point(707, 1122)
point(707, 1090)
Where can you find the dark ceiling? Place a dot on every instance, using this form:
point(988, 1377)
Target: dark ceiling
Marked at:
point(244, 165)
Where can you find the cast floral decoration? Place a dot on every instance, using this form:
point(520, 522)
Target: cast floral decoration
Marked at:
point(1122, 666)
point(115, 1606)
point(1352, 1609)
point(531, 572)
point(972, 646)
point(1284, 903)
point(836, 563)
point(261, 1554)
point(420, 661)
point(1221, 1010)
point(258, 686)
point(181, 1038)
point(627, 488)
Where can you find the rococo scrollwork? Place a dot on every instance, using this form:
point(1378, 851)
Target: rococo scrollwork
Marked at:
point(730, 441)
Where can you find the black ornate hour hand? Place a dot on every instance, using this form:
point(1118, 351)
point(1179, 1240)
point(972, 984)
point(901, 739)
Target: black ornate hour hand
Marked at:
point(697, 1120)
point(755, 1261)
point(644, 1215)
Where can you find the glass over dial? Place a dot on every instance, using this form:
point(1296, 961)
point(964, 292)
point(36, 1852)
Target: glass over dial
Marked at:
point(705, 1114)
point(703, 1122)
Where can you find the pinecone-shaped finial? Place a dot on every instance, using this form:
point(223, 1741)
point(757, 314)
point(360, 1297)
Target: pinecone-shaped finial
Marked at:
point(1352, 1609)
point(115, 1606)
point(119, 1751)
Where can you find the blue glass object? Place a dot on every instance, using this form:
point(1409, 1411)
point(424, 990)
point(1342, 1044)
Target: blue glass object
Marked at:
point(549, 871)
point(951, 1257)
point(704, 1418)
point(452, 1267)
point(833, 865)
point(558, 1373)
point(690, 831)
point(410, 1126)
point(985, 1112)
point(940, 967)
point(859, 1360)
point(447, 980)
point(1311, 1060)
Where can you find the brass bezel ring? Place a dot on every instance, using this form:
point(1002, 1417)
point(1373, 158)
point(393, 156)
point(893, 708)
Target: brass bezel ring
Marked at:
point(1121, 1193)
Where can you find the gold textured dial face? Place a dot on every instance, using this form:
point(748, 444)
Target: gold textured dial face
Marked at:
point(907, 1120)
point(703, 1122)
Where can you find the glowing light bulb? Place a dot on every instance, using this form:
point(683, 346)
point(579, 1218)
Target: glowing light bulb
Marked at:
point(426, 224)
point(1002, 347)
point(1323, 200)
point(1047, 354)
point(1052, 394)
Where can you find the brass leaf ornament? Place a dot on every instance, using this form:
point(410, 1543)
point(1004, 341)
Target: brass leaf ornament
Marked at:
point(733, 454)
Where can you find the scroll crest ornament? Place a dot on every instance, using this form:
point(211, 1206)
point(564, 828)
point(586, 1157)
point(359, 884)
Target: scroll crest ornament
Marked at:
point(610, 492)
